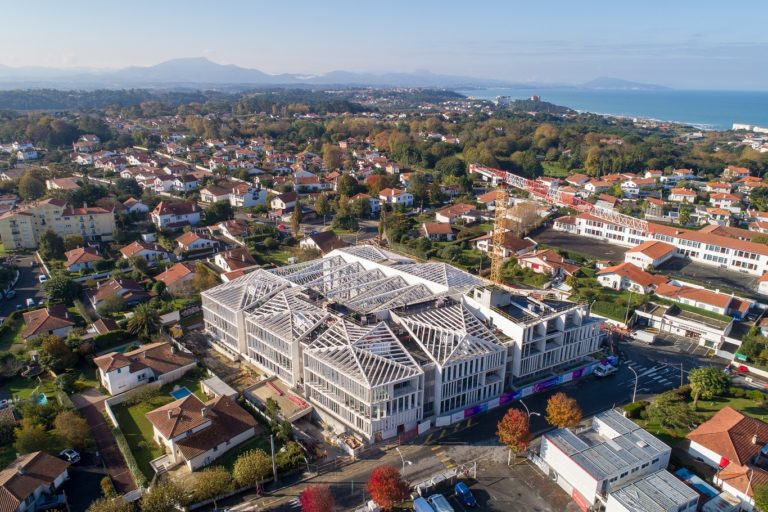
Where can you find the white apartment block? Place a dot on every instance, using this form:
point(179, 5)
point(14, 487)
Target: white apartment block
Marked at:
point(379, 344)
point(700, 246)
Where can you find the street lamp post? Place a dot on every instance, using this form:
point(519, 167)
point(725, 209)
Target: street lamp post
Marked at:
point(634, 393)
point(528, 414)
point(402, 459)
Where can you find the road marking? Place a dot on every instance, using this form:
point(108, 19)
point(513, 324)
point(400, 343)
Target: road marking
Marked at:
point(445, 459)
point(435, 448)
point(449, 466)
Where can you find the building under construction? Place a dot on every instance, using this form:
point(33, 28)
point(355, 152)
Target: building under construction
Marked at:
point(380, 344)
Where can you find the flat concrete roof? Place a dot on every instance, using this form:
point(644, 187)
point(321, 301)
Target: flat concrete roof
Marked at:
point(292, 406)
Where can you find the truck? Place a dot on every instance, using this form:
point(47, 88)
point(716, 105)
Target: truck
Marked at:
point(604, 370)
point(644, 336)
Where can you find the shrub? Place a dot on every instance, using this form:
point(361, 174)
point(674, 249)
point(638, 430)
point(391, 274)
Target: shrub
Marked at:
point(736, 392)
point(109, 339)
point(130, 461)
point(634, 409)
point(145, 395)
point(107, 488)
point(755, 394)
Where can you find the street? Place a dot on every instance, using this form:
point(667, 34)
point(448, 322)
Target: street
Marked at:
point(27, 287)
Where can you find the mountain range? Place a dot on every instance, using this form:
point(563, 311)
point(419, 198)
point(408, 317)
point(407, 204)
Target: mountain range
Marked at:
point(200, 72)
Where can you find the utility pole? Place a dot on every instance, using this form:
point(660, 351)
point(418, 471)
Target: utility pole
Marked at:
point(274, 463)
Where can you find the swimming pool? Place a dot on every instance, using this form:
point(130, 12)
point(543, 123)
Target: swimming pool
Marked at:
point(180, 393)
point(42, 399)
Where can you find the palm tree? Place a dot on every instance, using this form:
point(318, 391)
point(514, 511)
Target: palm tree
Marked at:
point(145, 320)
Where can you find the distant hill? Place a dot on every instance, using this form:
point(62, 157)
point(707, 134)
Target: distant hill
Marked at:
point(539, 106)
point(619, 84)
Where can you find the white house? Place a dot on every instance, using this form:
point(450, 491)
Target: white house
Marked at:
point(50, 320)
point(650, 254)
point(191, 242)
point(437, 231)
point(373, 202)
point(81, 258)
point(682, 195)
point(157, 362)
point(133, 205)
point(185, 183)
point(627, 276)
point(31, 482)
point(196, 433)
point(396, 196)
point(175, 215)
point(150, 252)
point(730, 202)
point(284, 202)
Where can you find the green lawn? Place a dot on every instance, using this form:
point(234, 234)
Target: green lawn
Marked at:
point(138, 430)
point(260, 441)
point(554, 170)
point(7, 455)
point(22, 387)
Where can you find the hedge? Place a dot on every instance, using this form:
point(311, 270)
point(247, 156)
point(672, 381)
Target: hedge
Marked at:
point(130, 461)
point(634, 409)
point(110, 339)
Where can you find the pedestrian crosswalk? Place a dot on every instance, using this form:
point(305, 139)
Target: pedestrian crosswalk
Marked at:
point(653, 376)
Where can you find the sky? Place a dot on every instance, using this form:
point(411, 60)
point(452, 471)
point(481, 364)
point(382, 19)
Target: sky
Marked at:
point(678, 43)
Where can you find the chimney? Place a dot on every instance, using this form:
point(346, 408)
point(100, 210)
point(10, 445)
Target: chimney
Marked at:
point(204, 412)
point(754, 439)
point(173, 348)
point(20, 470)
point(170, 414)
point(144, 354)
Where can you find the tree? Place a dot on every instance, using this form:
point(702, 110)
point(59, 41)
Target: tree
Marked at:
point(219, 211)
point(110, 504)
point(252, 467)
point(127, 187)
point(322, 206)
point(513, 430)
point(210, 483)
point(145, 320)
point(296, 218)
point(317, 498)
point(30, 188)
point(707, 382)
point(386, 487)
point(139, 263)
point(7, 426)
point(164, 496)
point(73, 430)
point(110, 305)
point(73, 242)
point(51, 246)
point(332, 155)
point(61, 288)
point(670, 410)
point(272, 410)
point(347, 185)
point(31, 438)
point(203, 278)
point(55, 354)
point(563, 411)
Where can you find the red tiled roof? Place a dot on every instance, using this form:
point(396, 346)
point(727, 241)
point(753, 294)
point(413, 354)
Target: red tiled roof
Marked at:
point(437, 228)
point(634, 274)
point(654, 249)
point(176, 273)
point(45, 320)
point(22, 477)
point(729, 434)
point(82, 255)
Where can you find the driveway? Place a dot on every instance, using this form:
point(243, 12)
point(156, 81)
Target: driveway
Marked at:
point(91, 404)
point(27, 287)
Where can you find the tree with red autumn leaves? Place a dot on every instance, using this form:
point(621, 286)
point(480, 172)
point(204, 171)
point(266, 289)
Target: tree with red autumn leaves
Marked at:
point(387, 487)
point(513, 430)
point(317, 498)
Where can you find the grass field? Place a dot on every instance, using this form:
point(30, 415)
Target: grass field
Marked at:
point(554, 170)
point(22, 387)
point(260, 441)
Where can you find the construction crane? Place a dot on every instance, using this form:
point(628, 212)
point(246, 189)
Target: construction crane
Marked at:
point(497, 238)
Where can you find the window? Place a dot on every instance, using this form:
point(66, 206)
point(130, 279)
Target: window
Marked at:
point(624, 474)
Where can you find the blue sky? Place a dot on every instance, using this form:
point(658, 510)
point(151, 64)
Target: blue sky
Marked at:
point(680, 43)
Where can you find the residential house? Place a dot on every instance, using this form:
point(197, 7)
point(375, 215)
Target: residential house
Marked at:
point(191, 242)
point(234, 259)
point(513, 246)
point(68, 183)
point(151, 252)
point(547, 261)
point(284, 202)
point(325, 242)
point(577, 180)
point(638, 186)
point(236, 230)
point(396, 196)
point(237, 194)
point(718, 216)
point(702, 298)
point(731, 443)
point(594, 186)
point(454, 212)
point(627, 276)
point(196, 433)
point(185, 183)
point(437, 231)
point(650, 254)
point(51, 320)
point(179, 279)
point(130, 291)
point(733, 173)
point(156, 362)
point(726, 201)
point(762, 286)
point(81, 258)
point(374, 202)
point(682, 195)
point(175, 216)
point(718, 188)
point(684, 174)
point(133, 205)
point(31, 482)
point(488, 199)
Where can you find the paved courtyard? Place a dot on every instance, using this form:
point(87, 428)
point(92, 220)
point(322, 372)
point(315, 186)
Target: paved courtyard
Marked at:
point(579, 244)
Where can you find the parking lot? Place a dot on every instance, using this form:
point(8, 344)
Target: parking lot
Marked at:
point(580, 244)
point(715, 277)
point(28, 286)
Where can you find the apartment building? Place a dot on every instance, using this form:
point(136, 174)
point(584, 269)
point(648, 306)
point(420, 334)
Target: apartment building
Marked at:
point(707, 246)
point(380, 344)
point(22, 228)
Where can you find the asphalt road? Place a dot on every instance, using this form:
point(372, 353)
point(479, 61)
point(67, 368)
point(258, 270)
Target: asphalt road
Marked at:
point(27, 287)
point(579, 244)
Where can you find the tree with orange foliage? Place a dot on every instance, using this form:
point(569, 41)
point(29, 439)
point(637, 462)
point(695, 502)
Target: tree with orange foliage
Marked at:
point(563, 411)
point(514, 431)
point(387, 487)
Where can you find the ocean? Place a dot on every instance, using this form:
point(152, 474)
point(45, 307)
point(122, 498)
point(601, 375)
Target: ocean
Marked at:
point(716, 110)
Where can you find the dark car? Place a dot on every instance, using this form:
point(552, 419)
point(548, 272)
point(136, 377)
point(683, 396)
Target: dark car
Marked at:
point(465, 495)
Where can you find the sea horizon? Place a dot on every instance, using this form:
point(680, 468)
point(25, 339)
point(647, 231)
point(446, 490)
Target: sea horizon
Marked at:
point(706, 109)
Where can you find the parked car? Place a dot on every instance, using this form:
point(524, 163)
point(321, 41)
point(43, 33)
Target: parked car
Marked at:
point(465, 495)
point(440, 503)
point(10, 294)
point(42, 278)
point(604, 370)
point(422, 505)
point(70, 455)
point(19, 307)
point(33, 263)
point(30, 303)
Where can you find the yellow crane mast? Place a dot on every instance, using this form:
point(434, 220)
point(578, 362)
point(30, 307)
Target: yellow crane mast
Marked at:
point(497, 239)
